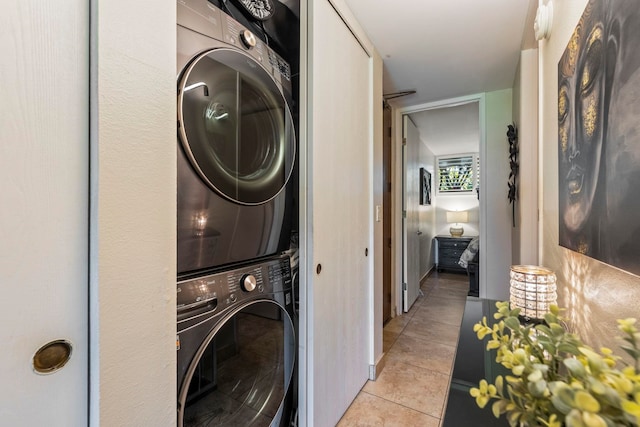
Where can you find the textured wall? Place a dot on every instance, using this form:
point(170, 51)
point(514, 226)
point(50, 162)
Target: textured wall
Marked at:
point(594, 293)
point(133, 214)
point(494, 192)
point(524, 238)
point(458, 202)
point(426, 213)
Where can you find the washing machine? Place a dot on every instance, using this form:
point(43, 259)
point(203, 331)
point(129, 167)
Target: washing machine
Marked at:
point(236, 143)
point(236, 347)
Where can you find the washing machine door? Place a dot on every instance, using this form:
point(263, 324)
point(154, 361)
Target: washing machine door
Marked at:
point(235, 126)
point(242, 374)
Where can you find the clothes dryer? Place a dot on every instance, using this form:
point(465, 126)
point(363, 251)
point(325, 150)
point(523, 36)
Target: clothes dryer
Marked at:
point(236, 347)
point(236, 143)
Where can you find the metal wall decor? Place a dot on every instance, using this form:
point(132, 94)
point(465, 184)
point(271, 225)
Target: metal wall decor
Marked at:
point(425, 187)
point(599, 135)
point(258, 9)
point(512, 137)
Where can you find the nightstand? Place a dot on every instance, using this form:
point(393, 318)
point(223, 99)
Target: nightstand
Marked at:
point(448, 251)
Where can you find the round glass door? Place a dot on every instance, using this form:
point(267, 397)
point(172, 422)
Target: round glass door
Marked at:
point(241, 376)
point(235, 126)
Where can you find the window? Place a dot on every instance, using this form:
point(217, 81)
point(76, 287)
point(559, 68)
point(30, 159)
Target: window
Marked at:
point(458, 174)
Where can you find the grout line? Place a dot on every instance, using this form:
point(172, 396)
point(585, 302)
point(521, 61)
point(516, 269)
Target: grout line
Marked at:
point(434, 341)
point(400, 404)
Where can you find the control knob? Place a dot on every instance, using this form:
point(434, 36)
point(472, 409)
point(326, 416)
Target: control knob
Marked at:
point(248, 39)
point(248, 282)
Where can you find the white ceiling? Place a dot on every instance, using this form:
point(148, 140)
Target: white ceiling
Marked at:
point(450, 130)
point(447, 48)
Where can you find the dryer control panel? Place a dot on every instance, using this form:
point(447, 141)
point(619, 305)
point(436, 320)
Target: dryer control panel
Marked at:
point(219, 291)
point(206, 19)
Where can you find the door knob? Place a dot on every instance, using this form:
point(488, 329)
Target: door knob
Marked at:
point(418, 232)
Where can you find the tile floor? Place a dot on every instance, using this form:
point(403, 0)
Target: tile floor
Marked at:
point(420, 348)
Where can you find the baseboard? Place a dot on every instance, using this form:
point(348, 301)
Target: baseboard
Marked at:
point(375, 370)
point(427, 274)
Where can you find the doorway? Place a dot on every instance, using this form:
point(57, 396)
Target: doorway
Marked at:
point(433, 219)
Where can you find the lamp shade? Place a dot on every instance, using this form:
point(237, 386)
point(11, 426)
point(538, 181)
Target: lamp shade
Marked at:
point(457, 216)
point(533, 290)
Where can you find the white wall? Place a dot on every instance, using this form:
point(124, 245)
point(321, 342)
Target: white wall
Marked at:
point(493, 189)
point(427, 213)
point(133, 214)
point(594, 293)
point(458, 202)
point(524, 238)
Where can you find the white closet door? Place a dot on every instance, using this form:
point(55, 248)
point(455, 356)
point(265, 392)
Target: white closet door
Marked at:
point(340, 219)
point(411, 207)
point(44, 181)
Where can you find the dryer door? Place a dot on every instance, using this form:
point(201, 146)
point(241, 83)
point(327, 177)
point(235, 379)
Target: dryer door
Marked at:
point(235, 126)
point(242, 373)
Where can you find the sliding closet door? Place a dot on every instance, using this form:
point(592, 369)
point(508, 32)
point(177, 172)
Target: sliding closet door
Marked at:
point(44, 182)
point(339, 200)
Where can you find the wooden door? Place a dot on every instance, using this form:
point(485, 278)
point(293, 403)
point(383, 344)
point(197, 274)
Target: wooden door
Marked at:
point(339, 215)
point(44, 156)
point(386, 214)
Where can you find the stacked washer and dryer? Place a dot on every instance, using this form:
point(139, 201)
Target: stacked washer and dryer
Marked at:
point(236, 208)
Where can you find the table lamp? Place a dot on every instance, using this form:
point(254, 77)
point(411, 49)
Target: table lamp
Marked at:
point(457, 217)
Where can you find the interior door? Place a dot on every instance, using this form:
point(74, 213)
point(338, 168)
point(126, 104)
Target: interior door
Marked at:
point(44, 155)
point(340, 215)
point(411, 139)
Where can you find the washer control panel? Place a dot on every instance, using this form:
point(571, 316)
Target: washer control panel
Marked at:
point(249, 283)
point(218, 291)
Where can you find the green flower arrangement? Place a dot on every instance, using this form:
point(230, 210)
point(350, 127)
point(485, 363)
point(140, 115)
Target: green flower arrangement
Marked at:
point(556, 379)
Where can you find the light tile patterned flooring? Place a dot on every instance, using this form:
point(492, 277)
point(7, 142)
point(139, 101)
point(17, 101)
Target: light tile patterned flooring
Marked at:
point(420, 348)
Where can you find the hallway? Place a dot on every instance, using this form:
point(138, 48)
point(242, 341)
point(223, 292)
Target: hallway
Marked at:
point(420, 349)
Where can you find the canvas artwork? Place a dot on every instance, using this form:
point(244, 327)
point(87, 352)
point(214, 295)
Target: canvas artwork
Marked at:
point(425, 187)
point(599, 135)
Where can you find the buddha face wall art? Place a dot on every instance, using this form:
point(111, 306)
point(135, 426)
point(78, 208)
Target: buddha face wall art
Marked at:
point(599, 135)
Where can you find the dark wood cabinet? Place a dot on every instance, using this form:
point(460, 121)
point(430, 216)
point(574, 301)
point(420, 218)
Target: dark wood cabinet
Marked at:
point(448, 251)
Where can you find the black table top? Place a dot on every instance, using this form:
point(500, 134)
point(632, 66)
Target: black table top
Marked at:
point(472, 364)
